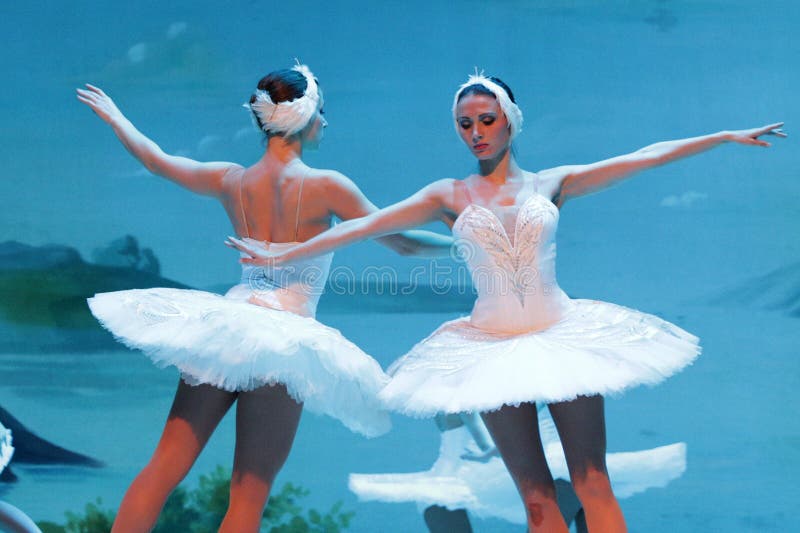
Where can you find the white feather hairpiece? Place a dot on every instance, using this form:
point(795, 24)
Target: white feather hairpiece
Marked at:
point(289, 117)
point(512, 112)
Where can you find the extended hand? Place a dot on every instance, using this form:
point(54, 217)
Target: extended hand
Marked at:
point(752, 136)
point(259, 254)
point(100, 102)
point(473, 453)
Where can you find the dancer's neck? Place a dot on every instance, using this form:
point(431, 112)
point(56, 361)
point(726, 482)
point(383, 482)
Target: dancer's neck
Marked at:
point(500, 169)
point(283, 150)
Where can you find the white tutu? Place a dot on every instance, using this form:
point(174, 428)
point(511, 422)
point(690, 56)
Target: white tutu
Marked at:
point(237, 346)
point(526, 340)
point(6, 449)
point(487, 490)
point(595, 348)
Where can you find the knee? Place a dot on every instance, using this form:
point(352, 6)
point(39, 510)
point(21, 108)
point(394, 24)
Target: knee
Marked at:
point(249, 490)
point(593, 485)
point(538, 499)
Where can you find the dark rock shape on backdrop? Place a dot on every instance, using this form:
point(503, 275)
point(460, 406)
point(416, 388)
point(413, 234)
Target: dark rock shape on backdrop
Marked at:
point(125, 253)
point(29, 448)
point(43, 291)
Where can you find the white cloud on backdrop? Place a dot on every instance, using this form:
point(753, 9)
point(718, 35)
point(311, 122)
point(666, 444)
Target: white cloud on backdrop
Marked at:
point(687, 199)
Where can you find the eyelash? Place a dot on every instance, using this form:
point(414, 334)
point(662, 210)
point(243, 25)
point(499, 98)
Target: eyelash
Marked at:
point(467, 124)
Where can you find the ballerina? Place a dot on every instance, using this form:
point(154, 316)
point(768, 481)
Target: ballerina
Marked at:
point(466, 478)
point(259, 345)
point(525, 341)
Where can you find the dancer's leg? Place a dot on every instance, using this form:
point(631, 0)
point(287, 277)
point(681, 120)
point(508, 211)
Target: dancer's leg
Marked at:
point(515, 431)
point(581, 426)
point(195, 413)
point(266, 423)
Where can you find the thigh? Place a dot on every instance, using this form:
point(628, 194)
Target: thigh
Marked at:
point(582, 428)
point(266, 424)
point(515, 431)
point(195, 413)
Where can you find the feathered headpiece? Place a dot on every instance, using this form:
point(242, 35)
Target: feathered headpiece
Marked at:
point(291, 116)
point(510, 109)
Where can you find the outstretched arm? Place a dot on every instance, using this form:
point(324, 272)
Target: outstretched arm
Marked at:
point(578, 180)
point(202, 178)
point(348, 202)
point(425, 206)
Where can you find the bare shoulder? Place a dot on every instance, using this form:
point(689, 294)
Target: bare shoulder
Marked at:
point(437, 193)
point(447, 195)
point(443, 187)
point(232, 177)
point(330, 178)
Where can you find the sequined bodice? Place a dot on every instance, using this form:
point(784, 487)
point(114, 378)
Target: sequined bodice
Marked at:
point(513, 271)
point(295, 286)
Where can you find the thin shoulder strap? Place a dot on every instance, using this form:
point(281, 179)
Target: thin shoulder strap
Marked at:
point(241, 207)
point(466, 191)
point(297, 214)
point(536, 182)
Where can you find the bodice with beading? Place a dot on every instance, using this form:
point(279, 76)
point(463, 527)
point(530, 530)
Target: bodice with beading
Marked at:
point(512, 264)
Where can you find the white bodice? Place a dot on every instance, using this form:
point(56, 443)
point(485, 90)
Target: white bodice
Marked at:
point(511, 257)
point(294, 287)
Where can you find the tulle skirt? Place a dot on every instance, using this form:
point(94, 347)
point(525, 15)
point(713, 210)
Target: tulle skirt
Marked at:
point(487, 490)
point(595, 348)
point(237, 346)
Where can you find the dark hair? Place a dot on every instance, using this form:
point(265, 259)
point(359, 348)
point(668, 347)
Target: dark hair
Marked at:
point(477, 88)
point(282, 85)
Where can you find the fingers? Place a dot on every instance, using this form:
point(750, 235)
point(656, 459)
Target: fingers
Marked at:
point(237, 244)
point(248, 243)
point(234, 241)
point(89, 102)
point(86, 94)
point(96, 90)
point(87, 97)
point(756, 141)
point(773, 129)
point(93, 94)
